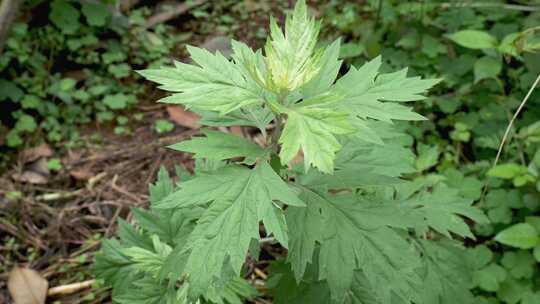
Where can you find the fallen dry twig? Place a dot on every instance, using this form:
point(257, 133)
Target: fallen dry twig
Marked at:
point(172, 13)
point(511, 123)
point(69, 288)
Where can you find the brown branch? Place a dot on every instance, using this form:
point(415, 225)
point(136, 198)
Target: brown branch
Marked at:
point(126, 5)
point(172, 13)
point(8, 12)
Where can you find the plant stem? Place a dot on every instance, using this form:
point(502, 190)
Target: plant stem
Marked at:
point(278, 128)
point(507, 132)
point(276, 133)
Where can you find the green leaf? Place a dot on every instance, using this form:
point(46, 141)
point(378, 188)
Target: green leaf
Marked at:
point(112, 265)
point(351, 50)
point(531, 298)
point(379, 164)
point(285, 290)
point(367, 94)
point(146, 260)
point(522, 180)
point(329, 69)
point(119, 70)
point(522, 235)
point(132, 237)
point(312, 125)
point(487, 67)
point(163, 126)
point(508, 45)
point(490, 277)
point(536, 253)
point(506, 171)
point(172, 226)
point(226, 183)
point(64, 16)
point(446, 273)
point(520, 264)
point(26, 123)
point(148, 290)
point(366, 85)
point(481, 256)
point(428, 156)
point(67, 84)
point(352, 233)
point(240, 198)
point(54, 164)
point(134, 266)
point(534, 221)
point(291, 58)
point(474, 39)
point(442, 209)
point(9, 90)
point(250, 116)
point(432, 46)
point(96, 13)
point(163, 186)
point(214, 84)
point(469, 187)
point(116, 101)
point(512, 291)
point(220, 146)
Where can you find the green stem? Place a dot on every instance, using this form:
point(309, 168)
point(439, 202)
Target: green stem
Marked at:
point(276, 133)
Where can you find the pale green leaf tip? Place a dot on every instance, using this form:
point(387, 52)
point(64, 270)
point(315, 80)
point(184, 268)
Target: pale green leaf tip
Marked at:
point(143, 72)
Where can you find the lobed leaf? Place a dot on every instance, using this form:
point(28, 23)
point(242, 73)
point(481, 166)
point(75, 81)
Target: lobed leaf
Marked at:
point(220, 146)
point(216, 84)
point(312, 125)
point(239, 198)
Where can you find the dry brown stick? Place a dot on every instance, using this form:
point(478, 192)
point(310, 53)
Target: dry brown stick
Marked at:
point(507, 132)
point(113, 221)
point(126, 5)
point(69, 288)
point(11, 229)
point(54, 196)
point(8, 12)
point(172, 13)
point(153, 169)
point(121, 190)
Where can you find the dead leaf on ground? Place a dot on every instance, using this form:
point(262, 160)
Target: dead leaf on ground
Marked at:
point(81, 174)
point(183, 118)
point(40, 166)
point(72, 156)
point(33, 154)
point(30, 177)
point(26, 286)
point(34, 173)
point(220, 44)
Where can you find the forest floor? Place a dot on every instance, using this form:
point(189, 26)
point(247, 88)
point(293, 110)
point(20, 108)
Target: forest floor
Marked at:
point(56, 218)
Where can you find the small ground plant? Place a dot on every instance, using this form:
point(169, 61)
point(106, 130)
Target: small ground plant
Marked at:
point(328, 186)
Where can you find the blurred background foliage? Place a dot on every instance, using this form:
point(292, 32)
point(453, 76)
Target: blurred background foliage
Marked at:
point(67, 76)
